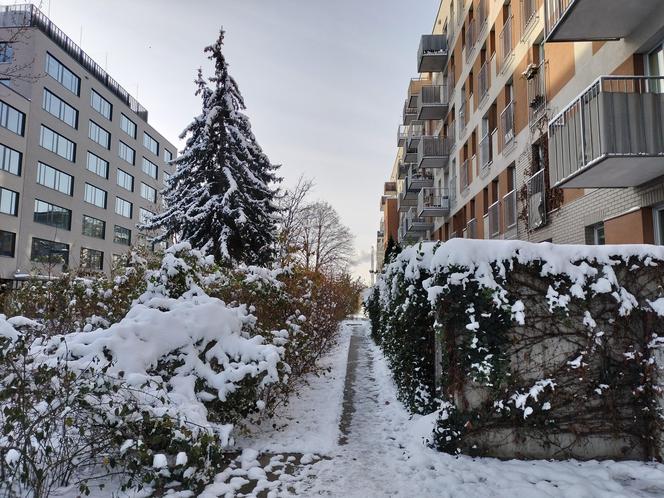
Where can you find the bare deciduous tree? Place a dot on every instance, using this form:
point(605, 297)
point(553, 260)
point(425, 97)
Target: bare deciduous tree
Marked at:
point(290, 205)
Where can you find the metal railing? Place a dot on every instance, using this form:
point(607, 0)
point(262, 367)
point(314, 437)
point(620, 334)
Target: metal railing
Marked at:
point(528, 15)
point(483, 80)
point(536, 79)
point(433, 146)
point(507, 124)
point(434, 95)
point(414, 222)
point(462, 116)
point(409, 111)
point(470, 40)
point(418, 179)
point(506, 44)
point(471, 229)
point(486, 152)
point(413, 130)
point(615, 116)
point(553, 12)
point(433, 198)
point(494, 220)
point(509, 210)
point(453, 190)
point(451, 133)
point(463, 175)
point(482, 15)
point(536, 186)
point(28, 15)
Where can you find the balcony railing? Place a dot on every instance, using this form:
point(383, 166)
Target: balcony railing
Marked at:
point(30, 16)
point(416, 223)
point(486, 155)
point(433, 152)
point(462, 116)
point(494, 220)
point(451, 133)
point(406, 201)
point(471, 229)
point(483, 81)
point(409, 112)
point(536, 77)
point(433, 102)
point(418, 179)
point(612, 135)
point(470, 40)
point(410, 133)
point(528, 16)
point(506, 51)
point(509, 209)
point(537, 209)
point(432, 54)
point(453, 190)
point(403, 169)
point(482, 15)
point(464, 180)
point(507, 125)
point(432, 201)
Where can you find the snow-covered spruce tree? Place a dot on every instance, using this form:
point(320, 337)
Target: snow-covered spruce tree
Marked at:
point(221, 197)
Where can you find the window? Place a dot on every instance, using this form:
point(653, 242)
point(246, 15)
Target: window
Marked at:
point(10, 160)
point(128, 126)
point(100, 104)
point(7, 243)
point(91, 259)
point(125, 180)
point(8, 201)
point(62, 75)
point(49, 251)
point(57, 144)
point(168, 155)
point(595, 234)
point(92, 227)
point(11, 118)
point(121, 235)
point(55, 179)
point(95, 196)
point(97, 165)
point(52, 215)
point(151, 144)
point(54, 105)
point(144, 215)
point(126, 152)
point(148, 193)
point(167, 177)
point(97, 134)
point(658, 214)
point(149, 168)
point(122, 207)
point(6, 53)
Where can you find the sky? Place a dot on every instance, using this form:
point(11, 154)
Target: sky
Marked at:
point(324, 81)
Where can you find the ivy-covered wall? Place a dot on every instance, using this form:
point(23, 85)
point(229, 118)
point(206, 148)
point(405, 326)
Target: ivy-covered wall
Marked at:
point(542, 351)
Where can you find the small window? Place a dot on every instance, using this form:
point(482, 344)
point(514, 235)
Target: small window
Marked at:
point(8, 202)
point(127, 153)
point(151, 144)
point(99, 135)
point(95, 196)
point(121, 235)
point(92, 227)
point(144, 215)
point(91, 259)
point(167, 178)
point(148, 192)
point(150, 168)
point(10, 160)
point(6, 53)
point(125, 180)
point(55, 179)
point(57, 107)
point(128, 126)
point(48, 251)
point(57, 144)
point(168, 155)
point(52, 215)
point(101, 105)
point(62, 75)
point(97, 165)
point(12, 119)
point(7, 243)
point(595, 234)
point(123, 207)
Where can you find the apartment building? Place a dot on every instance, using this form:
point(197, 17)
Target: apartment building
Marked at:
point(80, 166)
point(541, 120)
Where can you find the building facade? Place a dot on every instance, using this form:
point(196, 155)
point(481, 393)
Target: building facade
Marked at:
point(540, 120)
point(80, 166)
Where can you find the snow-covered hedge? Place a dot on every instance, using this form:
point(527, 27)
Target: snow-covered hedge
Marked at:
point(543, 350)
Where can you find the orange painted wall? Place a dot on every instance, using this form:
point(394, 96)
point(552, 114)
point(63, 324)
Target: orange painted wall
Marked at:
point(631, 228)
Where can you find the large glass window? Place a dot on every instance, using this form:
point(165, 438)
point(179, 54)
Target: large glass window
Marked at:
point(150, 168)
point(6, 53)
point(55, 179)
point(92, 227)
point(8, 201)
point(148, 193)
point(54, 105)
point(125, 180)
point(123, 207)
point(128, 126)
point(49, 252)
point(127, 153)
point(10, 160)
point(7, 243)
point(121, 235)
point(97, 134)
point(97, 165)
point(95, 196)
point(144, 215)
point(52, 215)
point(62, 75)
point(11, 118)
point(58, 144)
point(91, 259)
point(151, 144)
point(101, 105)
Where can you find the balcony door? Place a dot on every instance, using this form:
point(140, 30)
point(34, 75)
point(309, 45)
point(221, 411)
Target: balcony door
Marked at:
point(655, 67)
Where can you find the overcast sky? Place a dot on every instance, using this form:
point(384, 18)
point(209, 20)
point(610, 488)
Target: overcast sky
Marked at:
point(324, 80)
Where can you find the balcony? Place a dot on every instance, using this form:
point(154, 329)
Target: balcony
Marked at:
point(528, 16)
point(464, 177)
point(409, 135)
point(486, 153)
point(611, 136)
point(390, 189)
point(482, 13)
point(415, 224)
point(537, 209)
point(509, 210)
point(433, 152)
point(588, 20)
point(470, 41)
point(471, 229)
point(494, 220)
point(507, 126)
point(483, 81)
point(417, 180)
point(433, 201)
point(432, 54)
point(506, 52)
point(536, 78)
point(409, 112)
point(403, 170)
point(405, 202)
point(433, 102)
